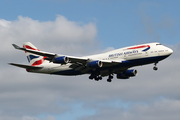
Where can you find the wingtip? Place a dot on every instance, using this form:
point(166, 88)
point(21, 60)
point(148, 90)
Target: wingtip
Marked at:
point(10, 63)
point(15, 46)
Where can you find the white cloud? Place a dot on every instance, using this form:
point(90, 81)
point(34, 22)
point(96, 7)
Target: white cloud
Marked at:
point(26, 95)
point(34, 118)
point(19, 91)
point(62, 35)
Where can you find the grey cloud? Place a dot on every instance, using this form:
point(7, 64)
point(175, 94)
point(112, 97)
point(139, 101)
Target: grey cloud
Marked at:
point(26, 95)
point(150, 95)
point(32, 91)
point(164, 109)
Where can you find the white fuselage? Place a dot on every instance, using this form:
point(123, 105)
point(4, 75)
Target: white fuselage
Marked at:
point(128, 56)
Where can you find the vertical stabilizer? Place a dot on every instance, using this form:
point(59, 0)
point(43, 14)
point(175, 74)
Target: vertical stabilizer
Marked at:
point(33, 59)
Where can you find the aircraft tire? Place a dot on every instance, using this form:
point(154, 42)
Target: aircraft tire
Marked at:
point(90, 77)
point(96, 78)
point(155, 68)
point(109, 80)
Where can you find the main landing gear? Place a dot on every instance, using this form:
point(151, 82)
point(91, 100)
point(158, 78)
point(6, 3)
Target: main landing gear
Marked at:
point(95, 76)
point(155, 68)
point(110, 78)
point(98, 77)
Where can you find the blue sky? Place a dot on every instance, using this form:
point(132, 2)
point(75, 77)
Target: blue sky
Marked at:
point(81, 27)
point(117, 21)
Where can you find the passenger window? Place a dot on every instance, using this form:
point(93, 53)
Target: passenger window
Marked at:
point(161, 51)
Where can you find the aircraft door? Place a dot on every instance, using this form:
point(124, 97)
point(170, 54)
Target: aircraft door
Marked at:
point(146, 53)
point(125, 56)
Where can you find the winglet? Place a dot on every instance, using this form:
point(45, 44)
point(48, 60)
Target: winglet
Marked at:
point(17, 47)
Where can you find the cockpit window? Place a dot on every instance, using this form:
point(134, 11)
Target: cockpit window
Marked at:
point(158, 44)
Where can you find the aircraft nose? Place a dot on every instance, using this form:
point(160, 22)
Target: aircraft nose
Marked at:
point(170, 51)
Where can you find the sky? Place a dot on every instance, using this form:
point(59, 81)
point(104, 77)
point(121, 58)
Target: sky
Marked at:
point(85, 27)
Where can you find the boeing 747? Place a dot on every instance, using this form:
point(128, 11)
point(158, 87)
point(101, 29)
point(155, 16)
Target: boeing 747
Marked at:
point(117, 62)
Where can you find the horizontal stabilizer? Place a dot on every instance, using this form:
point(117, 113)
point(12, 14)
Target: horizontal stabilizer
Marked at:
point(25, 66)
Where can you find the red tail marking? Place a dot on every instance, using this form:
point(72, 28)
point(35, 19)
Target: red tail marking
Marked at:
point(29, 47)
point(39, 62)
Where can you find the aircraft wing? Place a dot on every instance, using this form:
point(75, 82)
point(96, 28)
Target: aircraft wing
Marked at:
point(41, 53)
point(80, 61)
point(84, 69)
point(84, 60)
point(26, 66)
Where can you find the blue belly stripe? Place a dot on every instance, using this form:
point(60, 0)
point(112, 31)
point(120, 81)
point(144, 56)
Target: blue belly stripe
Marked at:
point(125, 64)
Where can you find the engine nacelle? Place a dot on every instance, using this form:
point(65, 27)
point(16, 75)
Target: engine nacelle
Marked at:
point(95, 64)
point(127, 74)
point(61, 60)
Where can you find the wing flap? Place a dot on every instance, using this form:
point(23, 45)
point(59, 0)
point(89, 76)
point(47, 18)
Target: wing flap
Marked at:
point(107, 63)
point(83, 61)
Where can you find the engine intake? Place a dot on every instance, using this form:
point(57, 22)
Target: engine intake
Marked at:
point(61, 60)
point(127, 74)
point(95, 64)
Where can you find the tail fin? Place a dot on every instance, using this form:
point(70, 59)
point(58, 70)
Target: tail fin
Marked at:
point(33, 59)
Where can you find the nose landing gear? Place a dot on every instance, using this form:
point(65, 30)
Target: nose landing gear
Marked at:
point(155, 68)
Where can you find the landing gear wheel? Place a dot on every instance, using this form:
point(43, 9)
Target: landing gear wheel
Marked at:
point(90, 77)
point(96, 78)
point(109, 80)
point(110, 77)
point(155, 68)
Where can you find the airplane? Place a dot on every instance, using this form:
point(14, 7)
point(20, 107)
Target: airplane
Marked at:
point(118, 62)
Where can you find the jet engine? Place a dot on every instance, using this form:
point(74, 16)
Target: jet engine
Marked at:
point(95, 64)
point(61, 60)
point(127, 74)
